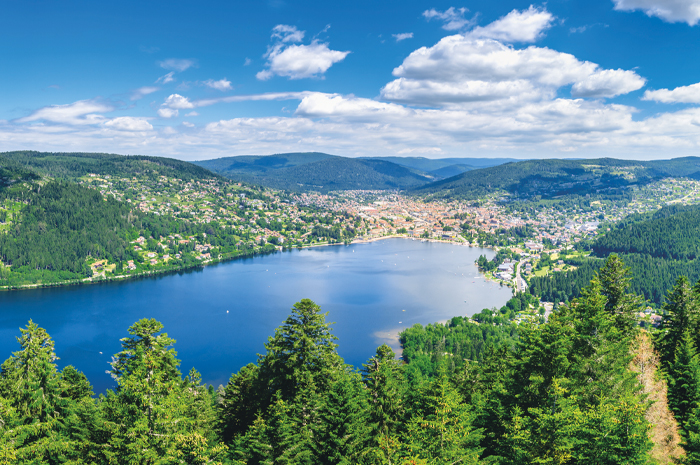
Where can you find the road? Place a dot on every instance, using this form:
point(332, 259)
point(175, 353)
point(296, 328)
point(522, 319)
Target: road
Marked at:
point(520, 285)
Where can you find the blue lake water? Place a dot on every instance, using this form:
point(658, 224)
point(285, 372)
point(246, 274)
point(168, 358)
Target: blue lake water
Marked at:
point(221, 316)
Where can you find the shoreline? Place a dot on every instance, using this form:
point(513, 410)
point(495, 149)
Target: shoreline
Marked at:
point(154, 273)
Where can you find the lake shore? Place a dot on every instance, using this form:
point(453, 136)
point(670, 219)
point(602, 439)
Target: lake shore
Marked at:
point(165, 271)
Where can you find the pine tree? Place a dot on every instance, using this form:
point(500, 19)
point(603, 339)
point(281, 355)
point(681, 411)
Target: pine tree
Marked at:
point(32, 402)
point(386, 392)
point(691, 443)
point(441, 428)
point(150, 417)
point(343, 419)
point(680, 315)
point(301, 351)
point(240, 404)
point(622, 305)
point(684, 381)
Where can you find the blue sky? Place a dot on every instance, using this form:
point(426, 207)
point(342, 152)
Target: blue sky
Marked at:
point(198, 80)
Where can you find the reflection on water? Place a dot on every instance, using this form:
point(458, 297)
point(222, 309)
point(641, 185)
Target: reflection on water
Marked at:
point(222, 316)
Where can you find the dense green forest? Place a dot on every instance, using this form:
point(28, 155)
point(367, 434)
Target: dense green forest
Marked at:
point(586, 387)
point(659, 247)
point(63, 224)
point(461, 340)
point(317, 172)
point(552, 178)
point(74, 165)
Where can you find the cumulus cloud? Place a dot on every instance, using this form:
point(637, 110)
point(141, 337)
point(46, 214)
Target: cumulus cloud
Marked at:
point(77, 113)
point(685, 94)
point(608, 83)
point(673, 11)
point(222, 84)
point(175, 64)
point(178, 102)
point(142, 92)
point(192, 113)
point(452, 19)
point(297, 61)
point(129, 123)
point(403, 36)
point(167, 112)
point(348, 125)
point(517, 26)
point(462, 70)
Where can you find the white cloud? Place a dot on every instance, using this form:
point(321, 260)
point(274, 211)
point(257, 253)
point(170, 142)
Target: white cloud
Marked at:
point(674, 11)
point(608, 83)
point(222, 84)
point(685, 94)
point(129, 123)
point(247, 62)
point(178, 102)
point(142, 92)
point(300, 61)
point(285, 33)
point(77, 113)
point(452, 18)
point(517, 26)
point(187, 124)
point(175, 64)
point(403, 36)
point(166, 78)
point(167, 113)
point(348, 125)
point(460, 70)
point(192, 113)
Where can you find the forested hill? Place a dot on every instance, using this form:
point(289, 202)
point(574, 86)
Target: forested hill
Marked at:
point(75, 165)
point(658, 247)
point(550, 178)
point(672, 234)
point(317, 172)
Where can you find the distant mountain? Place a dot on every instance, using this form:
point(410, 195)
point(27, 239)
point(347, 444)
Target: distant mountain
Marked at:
point(317, 171)
point(75, 165)
point(450, 170)
point(550, 178)
point(430, 165)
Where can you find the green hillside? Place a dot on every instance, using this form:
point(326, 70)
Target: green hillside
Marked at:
point(432, 164)
point(317, 172)
point(550, 178)
point(451, 170)
point(75, 165)
point(658, 247)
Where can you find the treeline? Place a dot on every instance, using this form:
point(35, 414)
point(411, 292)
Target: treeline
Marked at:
point(74, 165)
point(579, 389)
point(658, 247)
point(671, 236)
point(62, 224)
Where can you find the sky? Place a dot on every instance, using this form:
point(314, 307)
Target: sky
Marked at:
point(209, 79)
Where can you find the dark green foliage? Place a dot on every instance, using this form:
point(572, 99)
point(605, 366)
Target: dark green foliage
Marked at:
point(681, 314)
point(671, 236)
point(658, 248)
point(456, 341)
point(62, 225)
point(684, 381)
point(316, 172)
point(550, 178)
point(75, 165)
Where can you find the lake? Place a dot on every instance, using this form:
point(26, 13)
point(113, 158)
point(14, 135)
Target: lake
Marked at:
point(222, 315)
